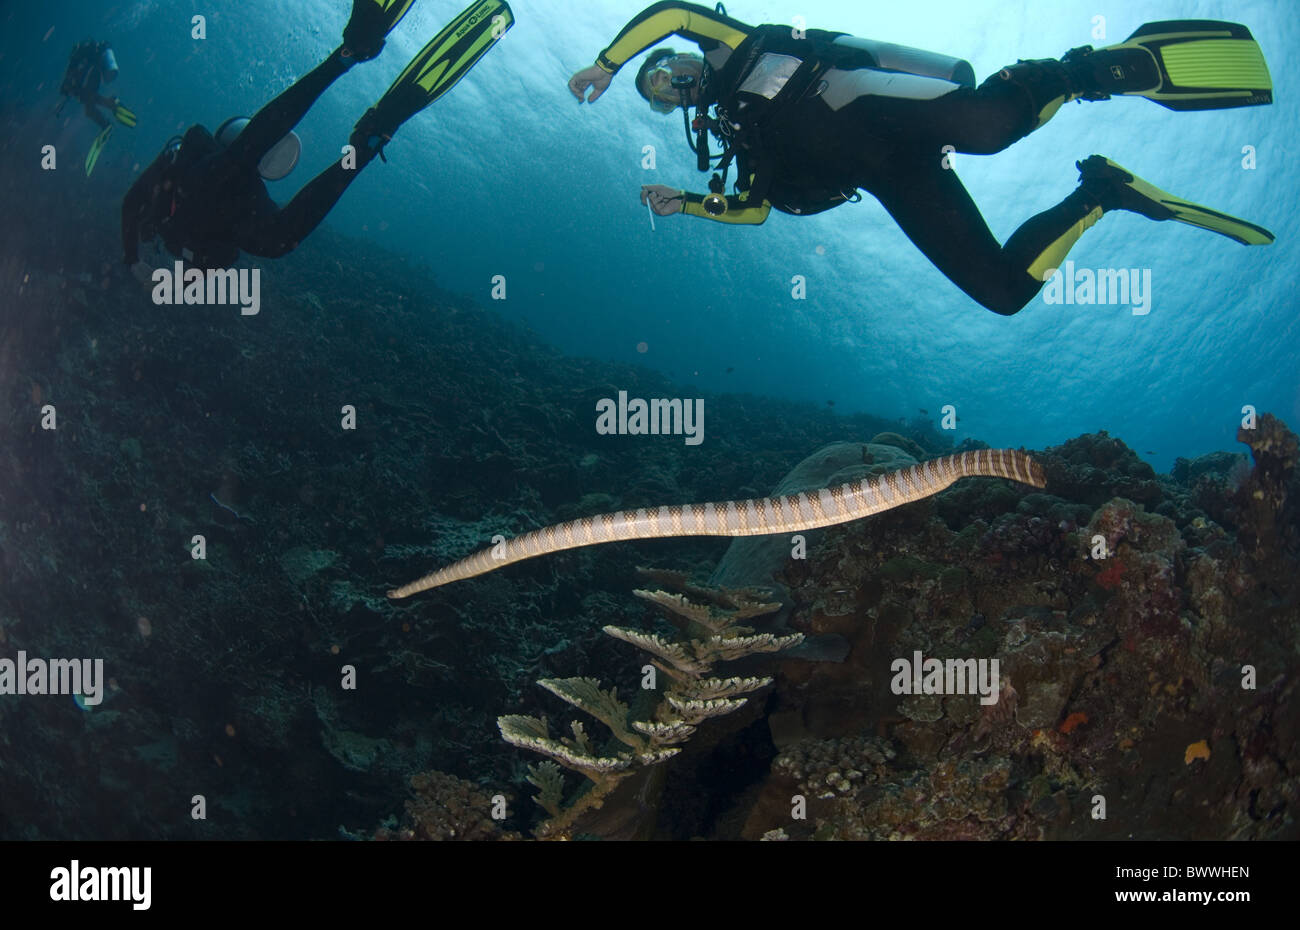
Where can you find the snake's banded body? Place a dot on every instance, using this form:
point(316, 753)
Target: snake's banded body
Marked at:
point(789, 513)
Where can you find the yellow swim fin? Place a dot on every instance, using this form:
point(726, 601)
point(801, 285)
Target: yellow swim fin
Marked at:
point(1120, 189)
point(1184, 64)
point(124, 116)
point(92, 157)
point(438, 67)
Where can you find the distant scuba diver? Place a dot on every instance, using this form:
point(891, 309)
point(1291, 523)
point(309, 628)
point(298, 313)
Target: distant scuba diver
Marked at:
point(205, 195)
point(809, 117)
point(91, 64)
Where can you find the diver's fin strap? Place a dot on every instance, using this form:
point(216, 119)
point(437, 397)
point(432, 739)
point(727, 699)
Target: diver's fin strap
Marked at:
point(368, 28)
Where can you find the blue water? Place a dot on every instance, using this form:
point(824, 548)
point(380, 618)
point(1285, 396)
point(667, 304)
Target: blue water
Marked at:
point(508, 175)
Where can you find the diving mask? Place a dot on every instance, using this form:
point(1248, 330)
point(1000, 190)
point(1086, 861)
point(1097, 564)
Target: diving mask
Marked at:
point(667, 88)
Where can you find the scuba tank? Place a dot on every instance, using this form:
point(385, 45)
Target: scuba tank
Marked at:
point(902, 59)
point(107, 63)
point(773, 69)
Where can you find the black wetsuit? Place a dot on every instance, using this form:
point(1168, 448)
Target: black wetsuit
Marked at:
point(83, 77)
point(798, 154)
point(208, 202)
point(894, 149)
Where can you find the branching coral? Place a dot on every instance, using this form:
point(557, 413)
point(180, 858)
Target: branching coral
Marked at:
point(711, 633)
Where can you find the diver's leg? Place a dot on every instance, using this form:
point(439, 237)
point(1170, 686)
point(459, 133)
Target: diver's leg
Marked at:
point(274, 121)
point(933, 208)
point(363, 39)
point(1039, 89)
point(973, 120)
point(92, 111)
point(274, 234)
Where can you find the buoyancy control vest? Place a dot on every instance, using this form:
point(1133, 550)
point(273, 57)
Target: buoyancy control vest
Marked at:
point(777, 67)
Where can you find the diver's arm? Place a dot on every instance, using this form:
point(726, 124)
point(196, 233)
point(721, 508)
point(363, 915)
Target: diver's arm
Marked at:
point(739, 212)
point(691, 21)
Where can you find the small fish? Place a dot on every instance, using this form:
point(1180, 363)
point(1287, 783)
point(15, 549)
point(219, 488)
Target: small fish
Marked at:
point(830, 403)
point(924, 412)
point(730, 370)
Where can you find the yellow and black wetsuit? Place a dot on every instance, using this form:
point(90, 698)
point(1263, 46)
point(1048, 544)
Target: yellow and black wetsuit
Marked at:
point(885, 130)
point(718, 36)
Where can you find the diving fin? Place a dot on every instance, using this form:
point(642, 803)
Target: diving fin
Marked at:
point(1188, 64)
point(436, 69)
point(92, 157)
point(1119, 189)
point(124, 116)
point(369, 25)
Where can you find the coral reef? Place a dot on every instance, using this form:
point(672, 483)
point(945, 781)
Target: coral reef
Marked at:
point(1112, 668)
point(1269, 520)
point(172, 426)
point(1161, 678)
point(446, 808)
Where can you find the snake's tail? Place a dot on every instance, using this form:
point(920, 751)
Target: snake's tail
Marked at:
point(790, 513)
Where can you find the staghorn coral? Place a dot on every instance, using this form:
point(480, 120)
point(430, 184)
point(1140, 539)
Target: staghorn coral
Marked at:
point(712, 632)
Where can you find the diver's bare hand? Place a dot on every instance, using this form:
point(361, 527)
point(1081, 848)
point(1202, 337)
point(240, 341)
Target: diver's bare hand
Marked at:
point(665, 201)
point(594, 77)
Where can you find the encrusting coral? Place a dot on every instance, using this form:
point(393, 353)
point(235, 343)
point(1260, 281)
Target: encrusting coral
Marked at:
point(1265, 500)
point(711, 632)
point(446, 808)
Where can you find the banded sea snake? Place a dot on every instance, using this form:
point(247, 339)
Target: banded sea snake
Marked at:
point(790, 513)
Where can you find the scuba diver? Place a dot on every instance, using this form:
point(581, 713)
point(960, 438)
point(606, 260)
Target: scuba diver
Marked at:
point(810, 117)
point(91, 64)
point(205, 195)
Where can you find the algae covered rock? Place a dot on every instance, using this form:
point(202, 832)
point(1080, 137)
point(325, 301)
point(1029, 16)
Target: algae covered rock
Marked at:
point(1268, 499)
point(1096, 467)
point(910, 446)
point(1222, 464)
point(301, 563)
